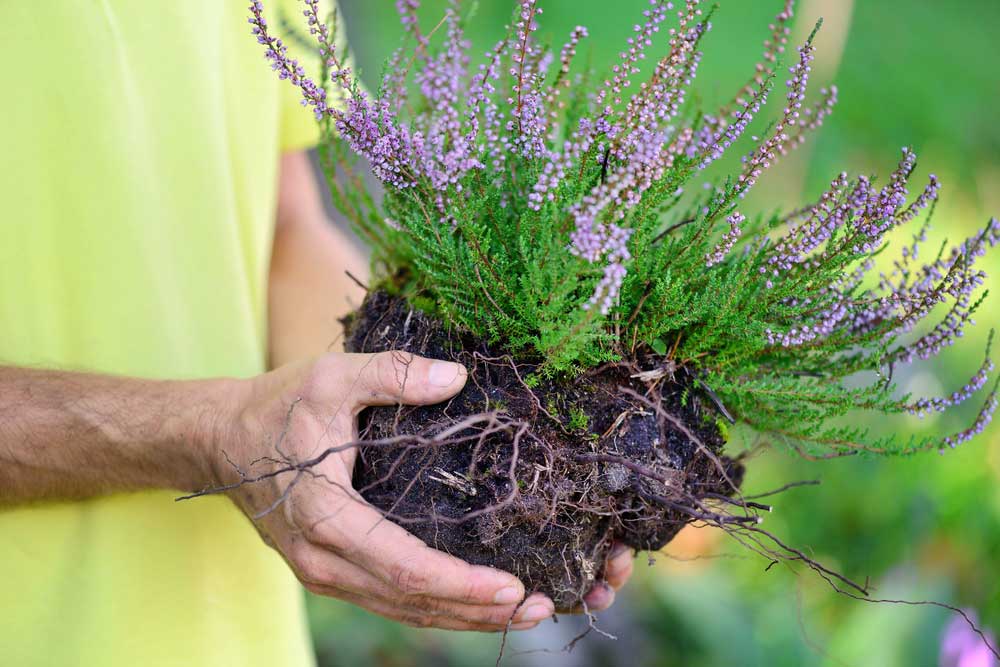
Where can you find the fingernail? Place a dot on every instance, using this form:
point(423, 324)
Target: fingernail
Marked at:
point(534, 613)
point(608, 597)
point(524, 626)
point(509, 595)
point(443, 373)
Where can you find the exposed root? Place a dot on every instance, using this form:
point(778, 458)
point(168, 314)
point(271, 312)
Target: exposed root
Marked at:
point(559, 471)
point(591, 627)
point(540, 478)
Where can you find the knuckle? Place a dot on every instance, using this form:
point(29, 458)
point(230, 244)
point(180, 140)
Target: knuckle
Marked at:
point(309, 569)
point(312, 532)
point(346, 548)
point(428, 605)
point(319, 532)
point(416, 621)
point(409, 579)
point(472, 591)
point(317, 589)
point(312, 381)
point(497, 616)
point(391, 368)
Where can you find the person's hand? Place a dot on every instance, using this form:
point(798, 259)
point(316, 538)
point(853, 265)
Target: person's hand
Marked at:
point(617, 571)
point(337, 544)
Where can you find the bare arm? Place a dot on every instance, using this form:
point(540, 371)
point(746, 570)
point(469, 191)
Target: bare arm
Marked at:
point(75, 435)
point(309, 289)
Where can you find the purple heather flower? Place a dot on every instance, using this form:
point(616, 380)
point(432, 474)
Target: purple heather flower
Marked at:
point(528, 124)
point(635, 51)
point(562, 81)
point(621, 191)
point(946, 278)
point(464, 129)
point(926, 198)
point(881, 210)
point(729, 239)
point(287, 67)
point(615, 248)
point(827, 321)
point(983, 420)
point(554, 171)
point(442, 150)
point(813, 119)
point(767, 153)
point(861, 217)
point(407, 10)
point(720, 130)
point(393, 88)
point(493, 146)
point(811, 228)
point(661, 98)
point(942, 403)
point(715, 136)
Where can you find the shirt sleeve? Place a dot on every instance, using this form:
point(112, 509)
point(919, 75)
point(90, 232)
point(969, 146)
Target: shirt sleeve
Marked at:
point(299, 129)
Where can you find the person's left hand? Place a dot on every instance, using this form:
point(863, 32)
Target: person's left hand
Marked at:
point(617, 571)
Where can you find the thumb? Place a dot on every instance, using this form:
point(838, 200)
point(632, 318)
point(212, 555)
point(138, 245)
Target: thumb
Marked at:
point(388, 378)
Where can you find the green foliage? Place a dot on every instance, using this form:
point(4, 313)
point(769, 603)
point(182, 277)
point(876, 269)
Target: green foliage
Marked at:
point(578, 420)
point(922, 528)
point(483, 258)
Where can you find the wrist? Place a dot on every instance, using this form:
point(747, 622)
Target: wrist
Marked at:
point(213, 431)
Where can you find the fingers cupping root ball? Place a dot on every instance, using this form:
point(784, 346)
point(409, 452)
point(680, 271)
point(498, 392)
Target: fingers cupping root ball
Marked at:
point(389, 378)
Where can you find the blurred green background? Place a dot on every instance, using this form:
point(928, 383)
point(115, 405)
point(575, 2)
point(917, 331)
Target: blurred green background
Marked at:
point(911, 72)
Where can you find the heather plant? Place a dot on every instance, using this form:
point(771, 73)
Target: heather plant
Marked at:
point(560, 232)
point(568, 216)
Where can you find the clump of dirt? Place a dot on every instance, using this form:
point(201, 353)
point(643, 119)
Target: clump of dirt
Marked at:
point(537, 477)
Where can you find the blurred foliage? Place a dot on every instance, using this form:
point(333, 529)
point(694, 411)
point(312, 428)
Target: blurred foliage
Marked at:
point(913, 72)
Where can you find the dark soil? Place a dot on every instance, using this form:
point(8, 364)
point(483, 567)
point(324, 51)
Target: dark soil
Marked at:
point(560, 471)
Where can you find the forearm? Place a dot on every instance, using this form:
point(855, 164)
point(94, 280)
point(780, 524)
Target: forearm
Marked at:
point(70, 435)
point(309, 289)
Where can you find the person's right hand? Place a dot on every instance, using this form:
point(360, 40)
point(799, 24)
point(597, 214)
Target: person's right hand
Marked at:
point(336, 543)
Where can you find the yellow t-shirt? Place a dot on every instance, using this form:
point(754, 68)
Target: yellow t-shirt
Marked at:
point(139, 144)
